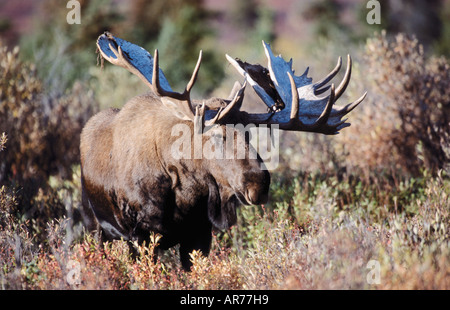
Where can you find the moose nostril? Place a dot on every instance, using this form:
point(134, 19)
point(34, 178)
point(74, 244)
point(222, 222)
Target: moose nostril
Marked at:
point(255, 196)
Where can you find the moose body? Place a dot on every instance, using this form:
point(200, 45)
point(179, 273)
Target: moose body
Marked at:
point(132, 184)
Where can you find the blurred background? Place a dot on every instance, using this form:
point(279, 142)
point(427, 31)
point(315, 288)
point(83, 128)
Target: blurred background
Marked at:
point(52, 82)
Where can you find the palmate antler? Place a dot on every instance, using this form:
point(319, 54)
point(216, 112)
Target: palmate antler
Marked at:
point(293, 101)
point(139, 62)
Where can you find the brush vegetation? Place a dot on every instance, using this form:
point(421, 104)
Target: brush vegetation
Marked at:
point(379, 192)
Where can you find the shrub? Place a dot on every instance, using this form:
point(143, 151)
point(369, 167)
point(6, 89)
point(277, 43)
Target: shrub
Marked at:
point(19, 95)
point(405, 121)
point(43, 127)
point(43, 130)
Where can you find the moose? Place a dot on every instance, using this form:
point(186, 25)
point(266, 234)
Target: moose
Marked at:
point(133, 185)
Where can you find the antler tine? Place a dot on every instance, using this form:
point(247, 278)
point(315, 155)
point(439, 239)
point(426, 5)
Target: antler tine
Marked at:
point(199, 114)
point(328, 78)
point(348, 72)
point(295, 123)
point(194, 74)
point(155, 76)
point(322, 90)
point(323, 118)
point(156, 86)
point(161, 92)
point(349, 107)
point(183, 98)
point(295, 99)
point(232, 105)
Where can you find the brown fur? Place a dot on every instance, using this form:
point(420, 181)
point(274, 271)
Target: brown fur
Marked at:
point(132, 185)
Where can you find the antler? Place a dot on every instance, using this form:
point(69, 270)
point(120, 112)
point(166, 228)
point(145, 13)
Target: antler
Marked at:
point(300, 108)
point(136, 60)
point(129, 56)
point(173, 99)
point(139, 62)
point(293, 101)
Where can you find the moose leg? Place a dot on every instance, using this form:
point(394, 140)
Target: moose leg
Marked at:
point(90, 222)
point(198, 240)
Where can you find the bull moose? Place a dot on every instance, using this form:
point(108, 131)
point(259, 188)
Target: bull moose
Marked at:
point(132, 182)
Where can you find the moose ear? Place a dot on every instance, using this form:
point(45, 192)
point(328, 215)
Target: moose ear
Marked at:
point(174, 106)
point(221, 208)
point(173, 172)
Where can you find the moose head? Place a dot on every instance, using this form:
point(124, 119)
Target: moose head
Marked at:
point(179, 167)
